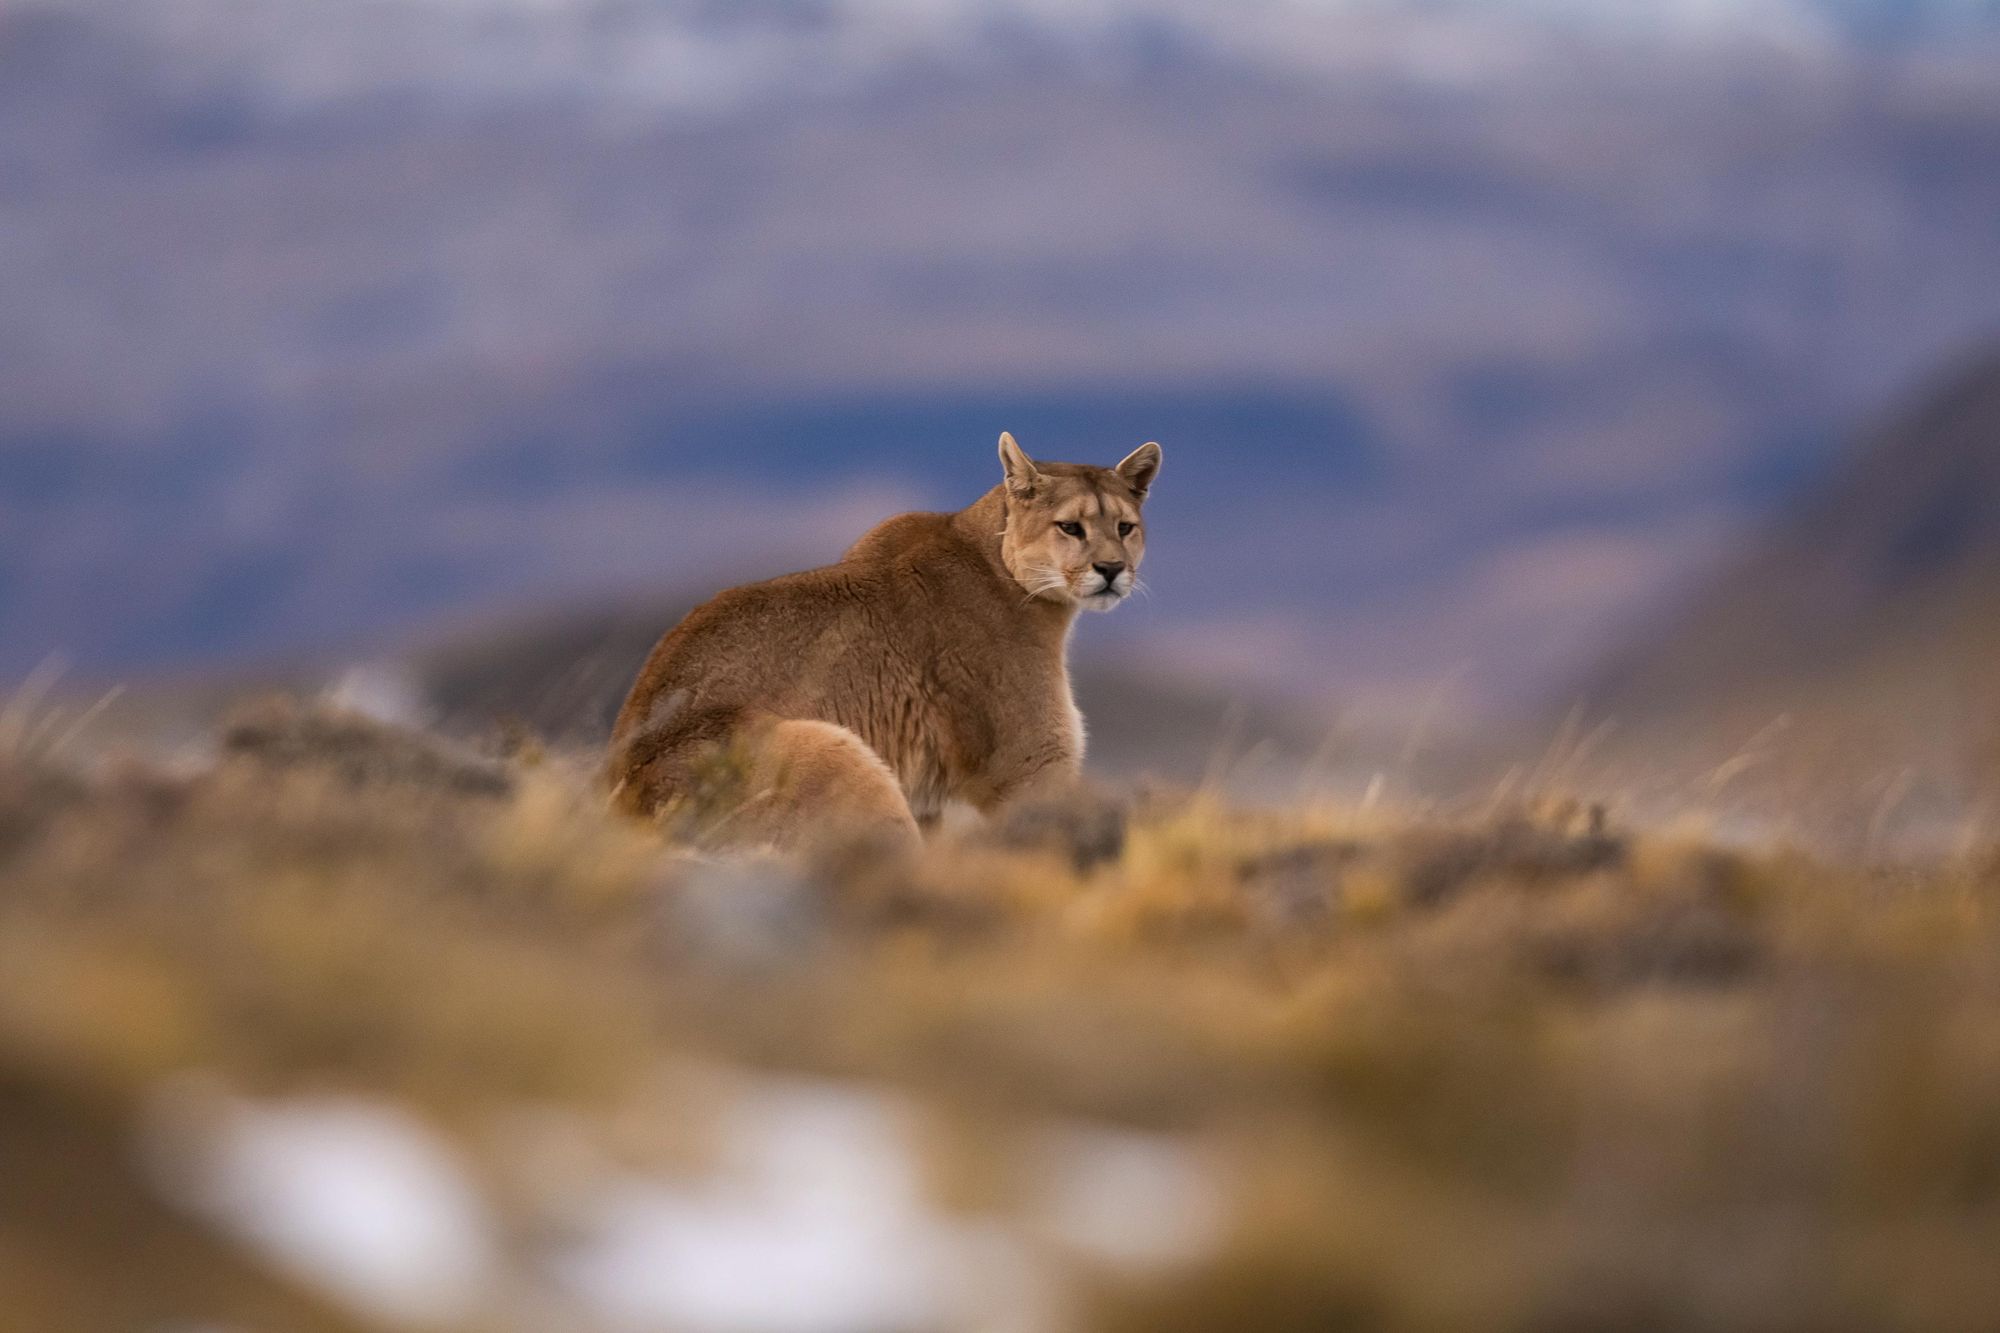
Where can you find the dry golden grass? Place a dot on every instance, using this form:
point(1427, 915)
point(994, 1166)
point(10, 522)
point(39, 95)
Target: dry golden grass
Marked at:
point(1515, 1070)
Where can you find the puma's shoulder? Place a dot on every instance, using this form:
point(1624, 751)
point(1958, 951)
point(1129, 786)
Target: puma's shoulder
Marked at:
point(903, 538)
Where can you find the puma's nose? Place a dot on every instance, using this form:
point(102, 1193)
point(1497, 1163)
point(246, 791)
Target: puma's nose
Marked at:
point(1110, 572)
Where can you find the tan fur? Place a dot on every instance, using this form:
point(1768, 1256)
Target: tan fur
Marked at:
point(929, 665)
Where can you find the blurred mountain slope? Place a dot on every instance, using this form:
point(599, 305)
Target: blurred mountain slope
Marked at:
point(1872, 610)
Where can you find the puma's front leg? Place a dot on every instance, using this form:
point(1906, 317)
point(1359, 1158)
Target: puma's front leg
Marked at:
point(1028, 748)
point(1047, 807)
point(1047, 774)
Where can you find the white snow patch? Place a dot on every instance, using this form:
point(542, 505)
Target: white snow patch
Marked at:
point(382, 691)
point(814, 1222)
point(1127, 1198)
point(355, 1197)
point(810, 1217)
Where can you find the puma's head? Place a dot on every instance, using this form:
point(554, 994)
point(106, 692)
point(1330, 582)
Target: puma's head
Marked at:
point(1076, 533)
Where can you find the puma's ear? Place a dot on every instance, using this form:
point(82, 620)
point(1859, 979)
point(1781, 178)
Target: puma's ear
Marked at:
point(1021, 473)
point(1140, 467)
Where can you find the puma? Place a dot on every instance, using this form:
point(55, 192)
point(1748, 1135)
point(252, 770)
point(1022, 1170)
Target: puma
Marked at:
point(929, 665)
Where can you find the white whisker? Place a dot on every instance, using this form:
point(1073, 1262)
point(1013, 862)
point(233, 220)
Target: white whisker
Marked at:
point(1043, 586)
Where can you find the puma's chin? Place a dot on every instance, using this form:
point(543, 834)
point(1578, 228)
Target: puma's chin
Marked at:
point(1104, 599)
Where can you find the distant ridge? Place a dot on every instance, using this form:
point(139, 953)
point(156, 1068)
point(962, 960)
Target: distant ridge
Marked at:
point(1871, 610)
point(1457, 326)
point(676, 54)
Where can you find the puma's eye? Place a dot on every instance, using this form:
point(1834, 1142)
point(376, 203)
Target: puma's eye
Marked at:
point(1127, 529)
point(1071, 529)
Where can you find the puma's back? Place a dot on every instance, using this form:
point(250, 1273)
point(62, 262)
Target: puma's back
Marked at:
point(928, 665)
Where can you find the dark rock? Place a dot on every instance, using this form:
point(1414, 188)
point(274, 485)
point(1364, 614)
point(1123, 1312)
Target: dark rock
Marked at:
point(281, 734)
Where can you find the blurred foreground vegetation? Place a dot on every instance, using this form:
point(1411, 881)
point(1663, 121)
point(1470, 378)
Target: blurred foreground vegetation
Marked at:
point(1323, 1067)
